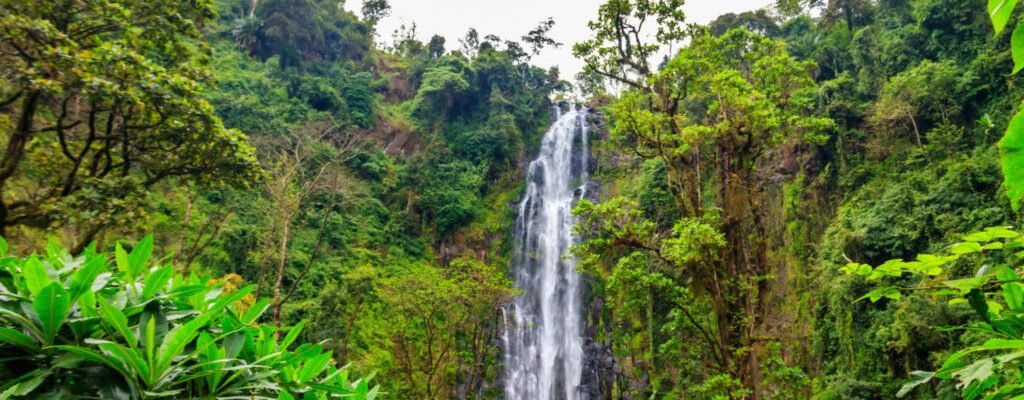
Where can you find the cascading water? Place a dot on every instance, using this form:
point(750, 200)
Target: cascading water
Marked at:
point(543, 342)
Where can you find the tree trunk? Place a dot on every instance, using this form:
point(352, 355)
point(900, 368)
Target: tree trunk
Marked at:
point(15, 150)
point(282, 260)
point(917, 133)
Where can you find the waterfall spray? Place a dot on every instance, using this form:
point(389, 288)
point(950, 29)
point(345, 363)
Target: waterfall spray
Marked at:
point(543, 335)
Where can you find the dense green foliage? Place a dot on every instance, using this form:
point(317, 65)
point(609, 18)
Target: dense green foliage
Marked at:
point(76, 327)
point(365, 176)
point(101, 101)
point(748, 181)
point(734, 200)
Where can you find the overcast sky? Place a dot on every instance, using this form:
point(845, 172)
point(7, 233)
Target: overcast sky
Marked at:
point(512, 18)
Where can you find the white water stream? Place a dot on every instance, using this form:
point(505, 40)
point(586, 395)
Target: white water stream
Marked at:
point(543, 340)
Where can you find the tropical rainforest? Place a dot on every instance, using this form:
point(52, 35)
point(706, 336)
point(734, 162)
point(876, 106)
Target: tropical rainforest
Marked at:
point(275, 199)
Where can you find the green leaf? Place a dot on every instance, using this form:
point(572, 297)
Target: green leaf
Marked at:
point(3, 247)
point(35, 275)
point(116, 319)
point(121, 258)
point(1002, 344)
point(976, 298)
point(967, 284)
point(878, 294)
point(982, 237)
point(965, 248)
point(255, 311)
point(993, 246)
point(293, 334)
point(94, 356)
point(150, 344)
point(129, 358)
point(1011, 147)
point(1013, 293)
point(313, 367)
point(177, 339)
point(26, 387)
point(140, 255)
point(1002, 232)
point(1000, 11)
point(156, 281)
point(84, 277)
point(977, 372)
point(52, 305)
point(19, 339)
point(863, 269)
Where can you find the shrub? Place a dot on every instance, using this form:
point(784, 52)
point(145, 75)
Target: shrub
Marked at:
point(74, 326)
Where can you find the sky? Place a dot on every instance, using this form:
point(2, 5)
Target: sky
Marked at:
point(511, 19)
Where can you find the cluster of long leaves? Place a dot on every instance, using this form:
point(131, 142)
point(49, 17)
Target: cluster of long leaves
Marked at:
point(989, 369)
point(116, 326)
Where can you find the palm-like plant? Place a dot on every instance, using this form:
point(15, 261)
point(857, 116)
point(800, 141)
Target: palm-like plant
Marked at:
point(74, 327)
point(245, 32)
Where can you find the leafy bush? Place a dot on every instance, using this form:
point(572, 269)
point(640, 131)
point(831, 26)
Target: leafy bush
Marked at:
point(74, 326)
point(989, 366)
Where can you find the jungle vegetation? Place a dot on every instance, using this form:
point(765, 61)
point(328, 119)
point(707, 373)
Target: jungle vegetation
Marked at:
point(275, 199)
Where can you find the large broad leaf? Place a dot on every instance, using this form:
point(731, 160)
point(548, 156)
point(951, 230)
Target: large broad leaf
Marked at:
point(878, 294)
point(177, 340)
point(35, 275)
point(19, 339)
point(156, 281)
point(140, 255)
point(255, 311)
point(313, 367)
point(976, 298)
point(1017, 48)
point(130, 360)
point(291, 336)
point(116, 319)
point(52, 305)
point(84, 277)
point(94, 356)
point(979, 371)
point(25, 384)
point(1000, 11)
point(1012, 149)
point(1002, 344)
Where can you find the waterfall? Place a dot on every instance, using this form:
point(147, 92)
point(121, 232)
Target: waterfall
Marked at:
point(543, 342)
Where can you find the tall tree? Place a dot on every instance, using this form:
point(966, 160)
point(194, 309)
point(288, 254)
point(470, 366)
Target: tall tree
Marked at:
point(375, 10)
point(105, 97)
point(709, 116)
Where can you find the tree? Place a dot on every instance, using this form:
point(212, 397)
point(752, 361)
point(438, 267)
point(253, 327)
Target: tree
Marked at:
point(619, 51)
point(851, 12)
point(929, 91)
point(538, 37)
point(105, 98)
point(442, 88)
point(470, 43)
point(709, 116)
point(758, 22)
point(290, 31)
point(297, 169)
point(436, 46)
point(438, 323)
point(375, 10)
